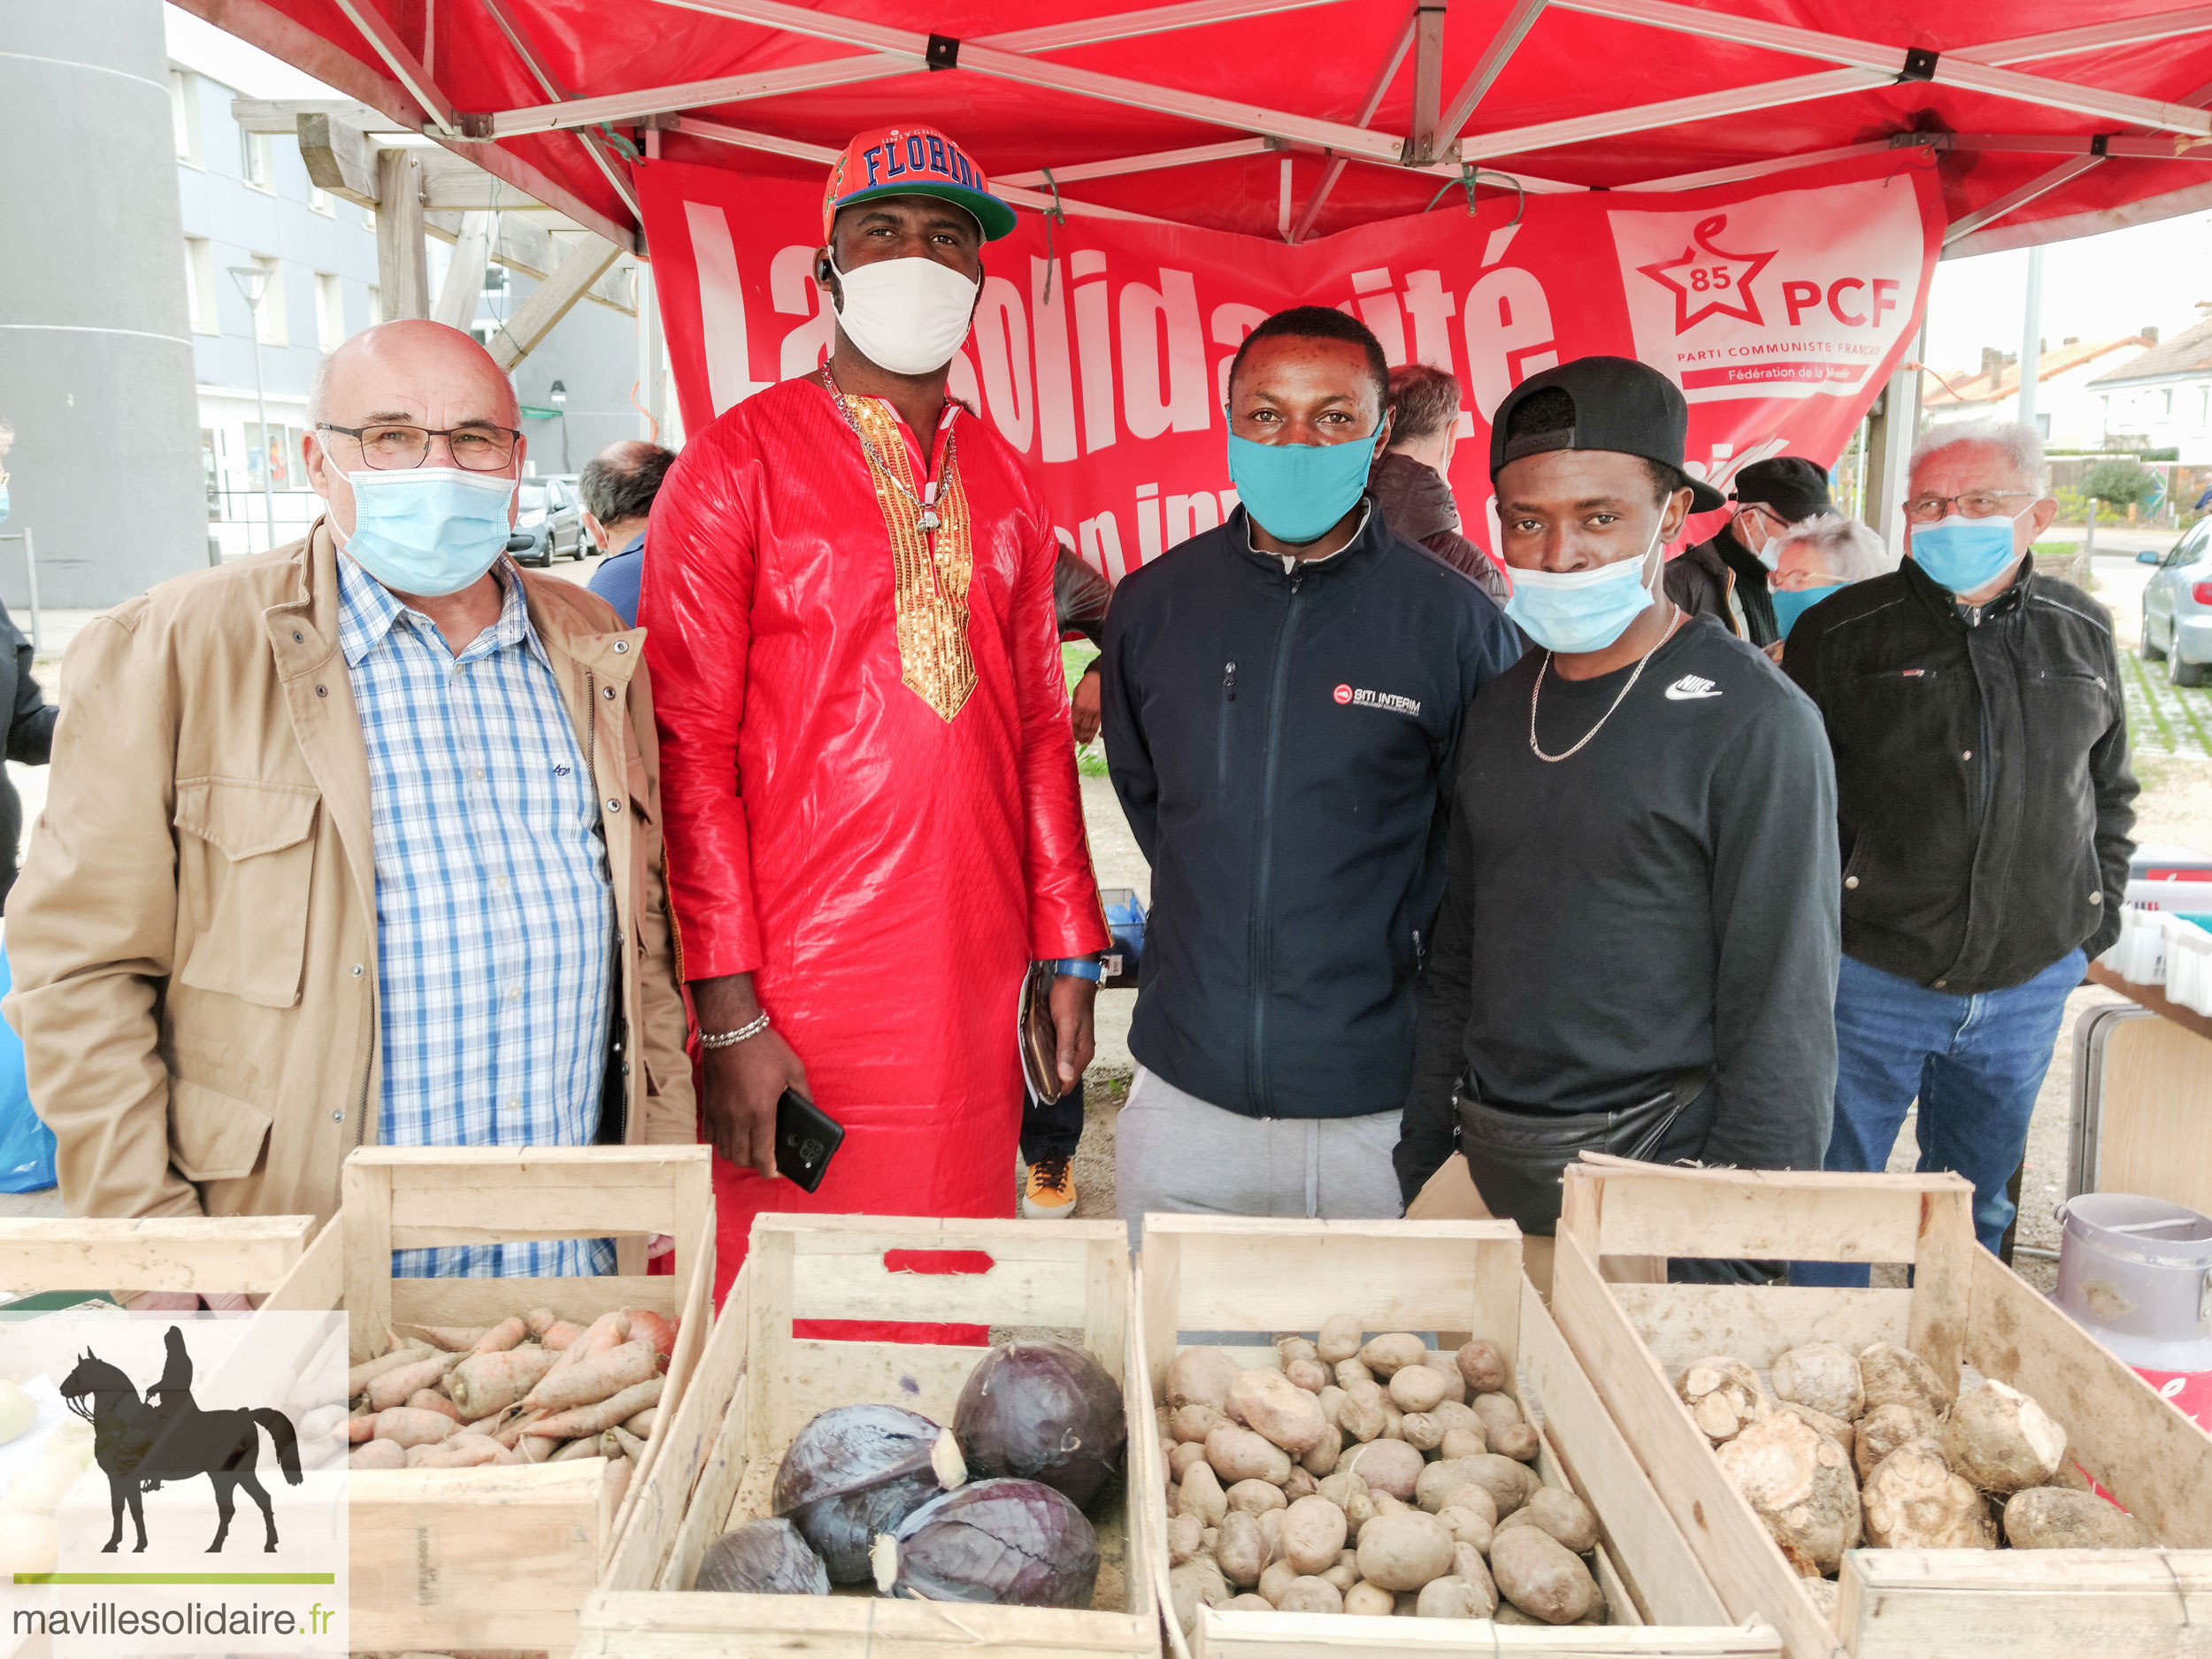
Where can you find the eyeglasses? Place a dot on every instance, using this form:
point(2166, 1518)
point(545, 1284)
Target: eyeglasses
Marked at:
point(474, 447)
point(1982, 503)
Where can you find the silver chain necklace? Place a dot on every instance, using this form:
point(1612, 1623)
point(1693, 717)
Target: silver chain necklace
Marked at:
point(1537, 692)
point(924, 505)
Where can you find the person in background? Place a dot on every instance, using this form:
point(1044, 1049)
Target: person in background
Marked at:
point(1727, 577)
point(340, 850)
point(1985, 805)
point(1052, 1130)
point(1825, 552)
point(29, 738)
point(874, 819)
point(1411, 481)
point(1282, 700)
point(1637, 949)
point(619, 485)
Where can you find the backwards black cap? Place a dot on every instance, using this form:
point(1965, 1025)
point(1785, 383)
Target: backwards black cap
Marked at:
point(1792, 486)
point(1619, 405)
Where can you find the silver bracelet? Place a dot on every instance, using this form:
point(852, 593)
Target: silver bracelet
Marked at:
point(727, 1038)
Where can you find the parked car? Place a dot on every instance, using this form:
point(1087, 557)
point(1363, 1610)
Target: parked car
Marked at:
point(2178, 607)
point(547, 522)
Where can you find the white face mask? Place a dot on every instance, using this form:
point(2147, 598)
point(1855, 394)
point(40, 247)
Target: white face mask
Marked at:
point(1769, 552)
point(908, 315)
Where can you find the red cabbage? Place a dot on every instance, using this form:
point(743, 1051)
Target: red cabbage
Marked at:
point(857, 1471)
point(1042, 1411)
point(762, 1558)
point(1016, 1542)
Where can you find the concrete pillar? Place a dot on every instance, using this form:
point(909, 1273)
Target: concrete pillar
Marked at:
point(96, 353)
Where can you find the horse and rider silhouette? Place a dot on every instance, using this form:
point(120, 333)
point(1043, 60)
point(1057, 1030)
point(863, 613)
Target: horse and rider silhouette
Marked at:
point(140, 1444)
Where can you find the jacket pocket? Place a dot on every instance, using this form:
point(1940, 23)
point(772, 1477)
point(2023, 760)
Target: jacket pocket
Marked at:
point(212, 1136)
point(246, 861)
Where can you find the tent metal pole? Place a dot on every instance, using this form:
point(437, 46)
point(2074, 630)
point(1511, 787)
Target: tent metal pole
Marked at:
point(378, 31)
point(1233, 149)
point(1428, 81)
point(1759, 169)
point(552, 89)
point(1502, 45)
point(1335, 169)
point(1515, 141)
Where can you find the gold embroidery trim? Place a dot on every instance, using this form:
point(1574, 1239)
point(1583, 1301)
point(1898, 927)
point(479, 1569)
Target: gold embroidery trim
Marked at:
point(935, 661)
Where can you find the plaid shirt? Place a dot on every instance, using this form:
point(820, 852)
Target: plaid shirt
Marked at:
point(495, 912)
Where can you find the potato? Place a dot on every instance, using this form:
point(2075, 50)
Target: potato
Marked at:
point(2001, 1441)
point(1394, 1419)
point(1404, 1551)
point(1418, 1429)
point(1249, 1601)
point(1482, 1366)
point(1185, 1453)
point(1240, 1550)
point(1339, 1487)
point(2070, 1475)
point(1913, 1502)
point(1824, 1376)
point(1385, 1504)
point(1390, 1466)
point(1462, 1443)
point(1344, 1573)
point(1322, 1459)
point(2052, 1517)
point(1889, 1375)
point(1723, 1396)
point(1387, 1354)
point(1314, 1530)
point(1193, 1423)
point(1836, 1429)
point(1370, 1600)
point(1278, 1409)
point(1184, 1534)
point(1197, 1583)
point(1496, 1411)
point(1332, 1399)
point(1277, 1579)
point(1415, 1388)
point(1245, 1455)
point(1507, 1483)
point(1540, 1575)
point(1448, 1368)
point(1202, 1377)
point(1454, 1597)
point(1301, 1483)
point(1339, 1339)
point(1200, 1494)
point(1562, 1514)
point(1468, 1563)
point(1271, 1533)
point(1290, 1346)
point(1350, 1370)
point(1456, 1414)
point(1308, 1374)
point(1256, 1497)
point(1799, 1484)
point(1361, 1509)
point(1468, 1521)
point(1886, 1427)
point(1516, 1440)
point(1309, 1596)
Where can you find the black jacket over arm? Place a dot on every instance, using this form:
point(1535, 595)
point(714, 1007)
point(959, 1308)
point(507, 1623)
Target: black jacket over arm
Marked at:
point(1983, 796)
point(1282, 745)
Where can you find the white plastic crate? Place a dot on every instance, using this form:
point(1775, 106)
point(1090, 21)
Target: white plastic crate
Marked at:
point(2138, 955)
point(2188, 963)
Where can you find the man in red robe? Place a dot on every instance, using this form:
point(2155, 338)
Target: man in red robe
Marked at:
point(872, 816)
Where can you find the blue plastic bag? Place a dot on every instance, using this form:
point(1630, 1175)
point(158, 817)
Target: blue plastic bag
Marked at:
point(27, 1145)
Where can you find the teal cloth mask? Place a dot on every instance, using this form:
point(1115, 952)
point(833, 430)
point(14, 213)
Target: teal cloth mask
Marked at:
point(1963, 554)
point(1792, 602)
point(428, 530)
point(1582, 610)
point(1296, 491)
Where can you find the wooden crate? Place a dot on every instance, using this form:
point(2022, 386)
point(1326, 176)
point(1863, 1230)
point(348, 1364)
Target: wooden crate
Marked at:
point(501, 1557)
point(201, 1253)
point(1215, 1274)
point(759, 1384)
point(1965, 1306)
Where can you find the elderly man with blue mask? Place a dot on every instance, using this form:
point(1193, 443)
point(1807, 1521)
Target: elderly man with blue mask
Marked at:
point(354, 842)
point(1985, 803)
point(1283, 697)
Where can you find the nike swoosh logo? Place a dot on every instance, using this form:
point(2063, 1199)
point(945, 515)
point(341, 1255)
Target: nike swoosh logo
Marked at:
point(1676, 694)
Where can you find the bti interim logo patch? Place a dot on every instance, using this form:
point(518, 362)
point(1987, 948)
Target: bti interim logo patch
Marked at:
point(1389, 700)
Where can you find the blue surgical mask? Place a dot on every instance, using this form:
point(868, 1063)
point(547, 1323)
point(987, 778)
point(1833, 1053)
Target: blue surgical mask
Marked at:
point(1792, 602)
point(1575, 611)
point(428, 530)
point(1296, 491)
point(1963, 554)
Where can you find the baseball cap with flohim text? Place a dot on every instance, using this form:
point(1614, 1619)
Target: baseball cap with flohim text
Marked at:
point(913, 161)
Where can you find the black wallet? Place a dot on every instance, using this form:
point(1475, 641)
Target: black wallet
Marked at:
point(806, 1136)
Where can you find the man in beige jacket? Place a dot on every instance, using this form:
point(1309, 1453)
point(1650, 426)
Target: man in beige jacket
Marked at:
point(351, 847)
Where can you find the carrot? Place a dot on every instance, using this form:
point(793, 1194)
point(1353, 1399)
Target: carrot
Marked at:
point(393, 1387)
point(647, 1326)
point(362, 1428)
point(559, 1334)
point(486, 1383)
point(409, 1427)
point(599, 1417)
point(587, 1448)
point(618, 1481)
point(453, 1339)
point(431, 1400)
point(641, 1424)
point(369, 1370)
point(589, 1380)
point(620, 1442)
point(518, 1423)
point(377, 1455)
point(463, 1451)
point(501, 1337)
point(608, 1331)
point(534, 1450)
point(538, 1321)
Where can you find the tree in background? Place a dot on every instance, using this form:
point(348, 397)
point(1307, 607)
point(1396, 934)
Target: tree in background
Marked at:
point(2119, 483)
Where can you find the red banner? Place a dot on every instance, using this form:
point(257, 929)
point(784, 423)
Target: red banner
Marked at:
point(1780, 305)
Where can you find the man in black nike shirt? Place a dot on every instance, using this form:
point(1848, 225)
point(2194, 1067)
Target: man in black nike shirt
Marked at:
point(1638, 946)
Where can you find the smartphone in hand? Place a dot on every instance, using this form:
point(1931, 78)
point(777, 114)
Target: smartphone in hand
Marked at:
point(806, 1137)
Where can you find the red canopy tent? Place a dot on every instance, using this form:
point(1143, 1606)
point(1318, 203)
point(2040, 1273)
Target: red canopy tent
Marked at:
point(1297, 118)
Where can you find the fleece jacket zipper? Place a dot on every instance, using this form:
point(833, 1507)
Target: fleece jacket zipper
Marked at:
point(1257, 1092)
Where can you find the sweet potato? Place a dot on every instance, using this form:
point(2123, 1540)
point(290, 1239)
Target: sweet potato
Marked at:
point(393, 1387)
point(485, 1384)
point(405, 1426)
point(1540, 1575)
point(584, 1381)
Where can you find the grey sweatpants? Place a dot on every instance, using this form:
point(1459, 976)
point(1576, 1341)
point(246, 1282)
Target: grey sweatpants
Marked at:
point(1174, 1152)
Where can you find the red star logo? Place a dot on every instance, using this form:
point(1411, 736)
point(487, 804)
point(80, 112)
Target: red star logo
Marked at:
point(1719, 283)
